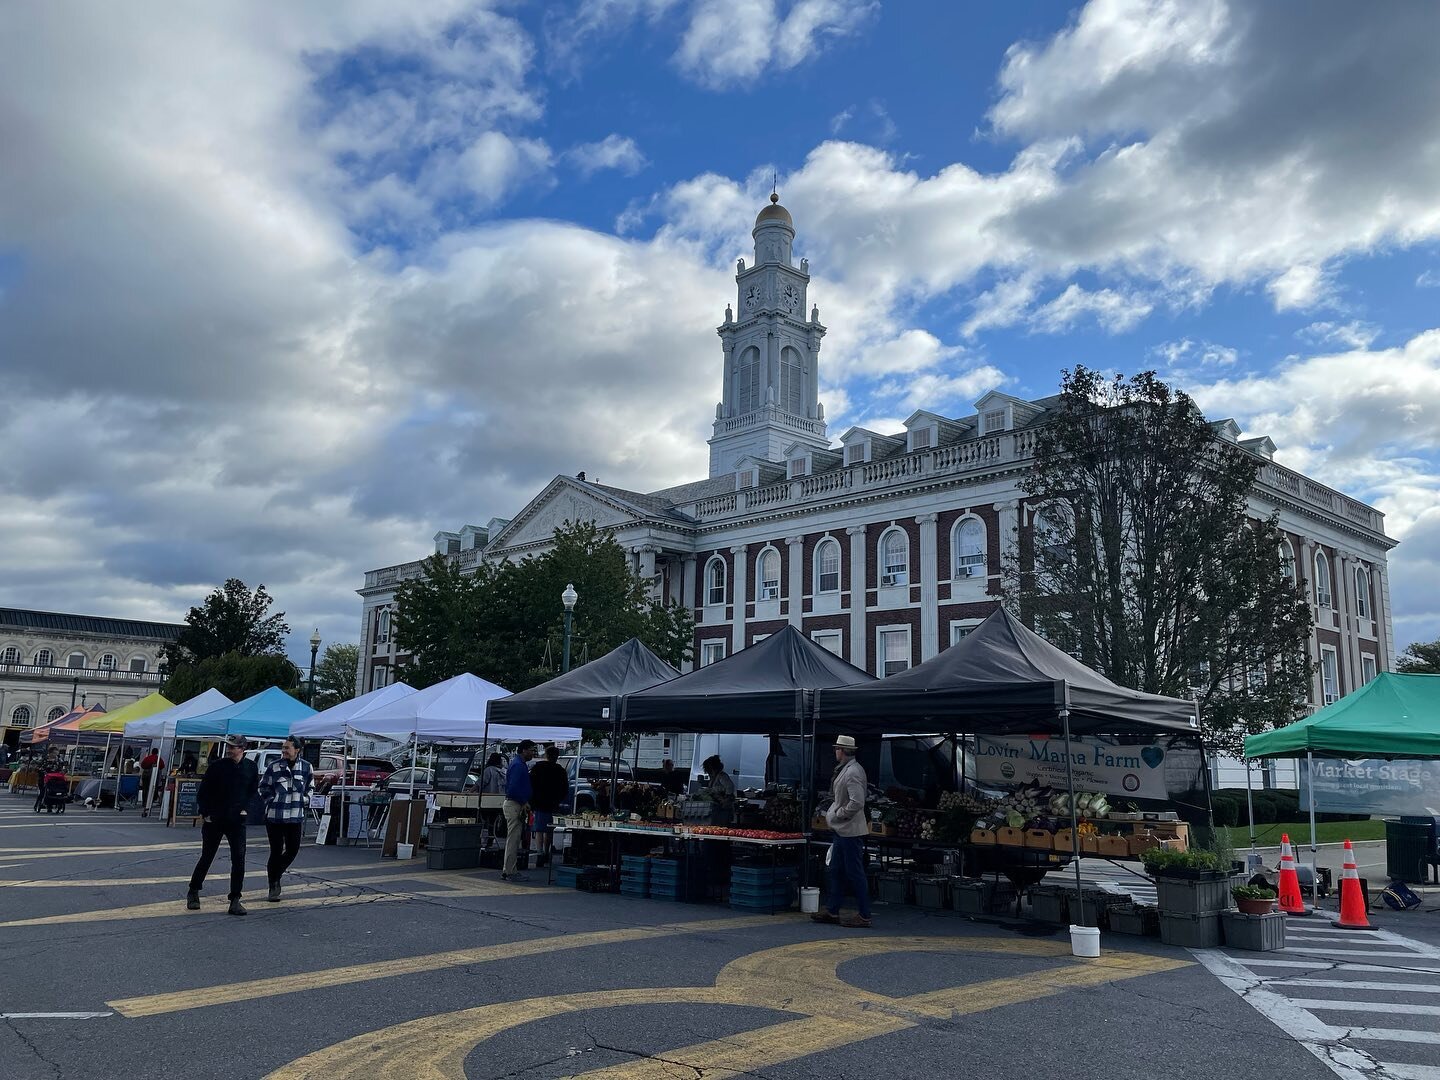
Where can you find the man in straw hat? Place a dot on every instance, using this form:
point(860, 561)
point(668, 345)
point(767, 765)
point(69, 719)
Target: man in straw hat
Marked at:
point(846, 817)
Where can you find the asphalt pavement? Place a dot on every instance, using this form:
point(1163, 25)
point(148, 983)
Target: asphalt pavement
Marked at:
point(370, 967)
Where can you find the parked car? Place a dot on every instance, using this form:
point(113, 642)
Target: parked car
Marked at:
point(584, 768)
point(399, 780)
point(363, 771)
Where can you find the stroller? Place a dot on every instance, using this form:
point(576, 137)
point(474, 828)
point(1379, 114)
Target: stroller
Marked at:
point(55, 793)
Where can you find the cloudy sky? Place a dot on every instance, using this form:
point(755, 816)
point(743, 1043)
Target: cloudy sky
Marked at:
point(286, 287)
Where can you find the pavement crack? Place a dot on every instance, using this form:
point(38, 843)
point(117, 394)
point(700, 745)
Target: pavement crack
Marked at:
point(29, 1044)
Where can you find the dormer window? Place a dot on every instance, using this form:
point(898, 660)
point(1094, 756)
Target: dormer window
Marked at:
point(921, 438)
point(855, 453)
point(798, 467)
point(993, 421)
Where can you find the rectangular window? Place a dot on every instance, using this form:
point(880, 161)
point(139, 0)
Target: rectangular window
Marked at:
point(1329, 676)
point(1367, 667)
point(830, 640)
point(711, 651)
point(137, 664)
point(797, 467)
point(993, 421)
point(855, 454)
point(894, 651)
point(920, 439)
point(959, 631)
point(77, 660)
point(829, 579)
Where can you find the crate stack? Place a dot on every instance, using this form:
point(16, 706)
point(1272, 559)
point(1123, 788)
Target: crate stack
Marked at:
point(1190, 910)
point(678, 879)
point(762, 888)
point(635, 876)
point(568, 876)
point(453, 847)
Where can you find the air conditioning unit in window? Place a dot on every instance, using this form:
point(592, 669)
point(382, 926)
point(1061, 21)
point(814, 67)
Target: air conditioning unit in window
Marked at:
point(967, 571)
point(770, 593)
point(891, 580)
point(1323, 599)
point(382, 639)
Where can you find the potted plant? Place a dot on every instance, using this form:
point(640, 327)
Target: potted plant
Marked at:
point(1254, 899)
point(1197, 865)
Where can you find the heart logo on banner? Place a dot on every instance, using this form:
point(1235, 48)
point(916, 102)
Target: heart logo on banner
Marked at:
point(1152, 756)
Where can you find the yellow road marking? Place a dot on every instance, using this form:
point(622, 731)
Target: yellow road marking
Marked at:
point(798, 979)
point(179, 879)
point(201, 997)
point(8, 854)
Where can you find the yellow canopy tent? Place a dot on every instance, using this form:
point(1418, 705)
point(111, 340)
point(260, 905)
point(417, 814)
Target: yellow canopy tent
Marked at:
point(137, 710)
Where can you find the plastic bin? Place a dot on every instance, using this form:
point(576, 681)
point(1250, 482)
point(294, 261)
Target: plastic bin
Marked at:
point(893, 888)
point(1190, 931)
point(970, 897)
point(932, 893)
point(1186, 896)
point(1257, 933)
point(445, 836)
point(1136, 919)
point(452, 858)
point(1050, 906)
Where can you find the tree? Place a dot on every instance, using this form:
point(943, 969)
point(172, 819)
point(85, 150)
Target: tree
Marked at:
point(506, 623)
point(1420, 658)
point(1146, 564)
point(335, 675)
point(235, 675)
point(232, 619)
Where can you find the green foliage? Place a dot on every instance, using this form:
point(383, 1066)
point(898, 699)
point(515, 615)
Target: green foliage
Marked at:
point(506, 623)
point(335, 675)
point(1253, 892)
point(1149, 568)
point(235, 675)
point(1159, 860)
point(231, 620)
point(1419, 658)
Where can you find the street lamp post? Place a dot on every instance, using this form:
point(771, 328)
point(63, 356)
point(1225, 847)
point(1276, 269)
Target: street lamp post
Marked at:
point(568, 598)
point(314, 648)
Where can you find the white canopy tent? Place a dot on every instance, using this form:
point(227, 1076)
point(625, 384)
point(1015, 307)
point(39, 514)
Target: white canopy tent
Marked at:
point(450, 713)
point(338, 720)
point(161, 725)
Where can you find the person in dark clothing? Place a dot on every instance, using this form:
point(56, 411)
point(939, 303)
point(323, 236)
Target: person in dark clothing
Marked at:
point(671, 779)
point(549, 790)
point(224, 800)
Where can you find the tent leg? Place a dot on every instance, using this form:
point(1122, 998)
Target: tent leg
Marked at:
point(1074, 814)
point(1250, 807)
point(118, 779)
point(1314, 847)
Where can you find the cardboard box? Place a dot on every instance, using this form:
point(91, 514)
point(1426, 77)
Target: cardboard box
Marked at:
point(1041, 839)
point(982, 836)
point(1010, 837)
point(1113, 846)
point(1142, 842)
point(1063, 840)
point(1090, 844)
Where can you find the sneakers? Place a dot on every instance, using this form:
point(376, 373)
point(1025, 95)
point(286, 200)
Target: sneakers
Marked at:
point(856, 922)
point(237, 908)
point(825, 917)
point(274, 896)
point(192, 901)
point(515, 877)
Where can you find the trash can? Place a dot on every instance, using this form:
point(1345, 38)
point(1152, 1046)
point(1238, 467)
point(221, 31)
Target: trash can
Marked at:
point(1409, 844)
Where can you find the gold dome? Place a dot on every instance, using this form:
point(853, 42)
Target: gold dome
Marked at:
point(774, 212)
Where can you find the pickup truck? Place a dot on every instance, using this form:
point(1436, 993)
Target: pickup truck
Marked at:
point(363, 771)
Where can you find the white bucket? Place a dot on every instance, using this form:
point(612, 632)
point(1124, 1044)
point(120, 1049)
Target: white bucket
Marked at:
point(809, 900)
point(407, 851)
point(1084, 941)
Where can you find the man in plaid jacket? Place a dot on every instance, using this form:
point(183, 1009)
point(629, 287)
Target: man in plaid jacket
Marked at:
point(285, 790)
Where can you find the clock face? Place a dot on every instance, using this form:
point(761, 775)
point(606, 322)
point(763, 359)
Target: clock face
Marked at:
point(752, 298)
point(790, 297)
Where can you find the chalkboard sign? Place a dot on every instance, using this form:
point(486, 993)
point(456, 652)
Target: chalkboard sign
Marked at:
point(451, 768)
point(187, 799)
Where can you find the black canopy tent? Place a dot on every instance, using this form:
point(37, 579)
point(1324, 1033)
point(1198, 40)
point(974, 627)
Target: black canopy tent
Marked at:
point(1003, 678)
point(580, 697)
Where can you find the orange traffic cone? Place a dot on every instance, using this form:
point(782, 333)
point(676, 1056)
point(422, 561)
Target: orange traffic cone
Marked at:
point(1352, 899)
point(1291, 901)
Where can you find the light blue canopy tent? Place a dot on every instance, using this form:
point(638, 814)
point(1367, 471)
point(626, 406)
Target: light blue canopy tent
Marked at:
point(266, 715)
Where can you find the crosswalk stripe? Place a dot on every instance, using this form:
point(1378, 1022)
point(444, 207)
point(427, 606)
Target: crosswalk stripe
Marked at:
point(1311, 965)
point(1398, 1008)
point(1341, 953)
point(1395, 1070)
point(1345, 984)
point(1404, 1035)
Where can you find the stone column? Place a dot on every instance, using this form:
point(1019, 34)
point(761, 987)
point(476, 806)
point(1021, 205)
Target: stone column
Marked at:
point(687, 586)
point(1308, 577)
point(1350, 617)
point(859, 647)
point(646, 557)
point(796, 591)
point(1009, 532)
point(739, 587)
point(1380, 576)
point(929, 587)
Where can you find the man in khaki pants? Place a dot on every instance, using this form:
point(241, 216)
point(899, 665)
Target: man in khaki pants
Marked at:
point(846, 817)
point(517, 808)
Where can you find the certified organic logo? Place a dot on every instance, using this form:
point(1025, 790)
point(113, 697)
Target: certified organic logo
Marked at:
point(1130, 781)
point(1007, 770)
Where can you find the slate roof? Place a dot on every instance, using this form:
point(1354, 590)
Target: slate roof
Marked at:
point(59, 623)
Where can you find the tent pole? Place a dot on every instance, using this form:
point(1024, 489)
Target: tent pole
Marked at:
point(1250, 806)
point(100, 792)
point(1074, 814)
point(1314, 848)
point(120, 757)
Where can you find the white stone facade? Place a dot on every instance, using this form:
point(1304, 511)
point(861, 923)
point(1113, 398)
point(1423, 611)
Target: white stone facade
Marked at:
point(889, 547)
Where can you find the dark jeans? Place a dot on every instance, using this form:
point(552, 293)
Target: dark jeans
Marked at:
point(211, 833)
point(847, 866)
point(284, 846)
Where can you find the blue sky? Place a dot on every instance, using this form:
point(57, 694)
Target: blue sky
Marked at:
point(286, 288)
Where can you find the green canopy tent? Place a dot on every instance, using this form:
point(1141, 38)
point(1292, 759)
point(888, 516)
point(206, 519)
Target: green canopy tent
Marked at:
point(1391, 716)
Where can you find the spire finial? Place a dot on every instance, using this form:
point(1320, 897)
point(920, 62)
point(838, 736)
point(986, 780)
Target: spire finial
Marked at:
point(774, 187)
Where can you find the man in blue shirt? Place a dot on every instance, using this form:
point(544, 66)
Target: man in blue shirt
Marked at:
point(517, 808)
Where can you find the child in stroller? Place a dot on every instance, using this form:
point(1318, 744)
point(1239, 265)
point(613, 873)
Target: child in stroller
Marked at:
point(55, 793)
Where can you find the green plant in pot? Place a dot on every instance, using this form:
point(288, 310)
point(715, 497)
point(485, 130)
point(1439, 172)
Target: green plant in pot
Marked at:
point(1254, 899)
point(1163, 862)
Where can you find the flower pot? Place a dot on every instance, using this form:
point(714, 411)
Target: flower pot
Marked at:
point(1255, 907)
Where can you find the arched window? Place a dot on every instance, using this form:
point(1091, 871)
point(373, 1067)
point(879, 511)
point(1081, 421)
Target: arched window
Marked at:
point(76, 660)
point(792, 382)
point(1046, 535)
point(894, 558)
point(767, 575)
point(968, 544)
point(1287, 560)
point(715, 581)
point(21, 716)
point(749, 386)
point(44, 658)
point(382, 625)
point(1362, 593)
point(55, 714)
point(827, 566)
point(107, 660)
point(11, 655)
point(1322, 579)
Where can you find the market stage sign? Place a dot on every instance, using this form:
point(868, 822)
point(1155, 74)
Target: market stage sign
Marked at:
point(1373, 786)
point(1137, 771)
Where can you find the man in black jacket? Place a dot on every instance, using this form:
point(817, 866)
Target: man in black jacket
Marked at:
point(224, 797)
point(549, 790)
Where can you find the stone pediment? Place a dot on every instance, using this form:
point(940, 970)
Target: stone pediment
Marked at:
point(563, 500)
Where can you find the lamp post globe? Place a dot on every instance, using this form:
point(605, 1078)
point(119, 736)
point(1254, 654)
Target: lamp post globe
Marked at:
point(568, 598)
point(314, 649)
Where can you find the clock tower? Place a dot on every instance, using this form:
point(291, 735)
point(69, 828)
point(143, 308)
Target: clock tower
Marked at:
point(772, 350)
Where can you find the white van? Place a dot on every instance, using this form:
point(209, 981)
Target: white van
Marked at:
point(744, 757)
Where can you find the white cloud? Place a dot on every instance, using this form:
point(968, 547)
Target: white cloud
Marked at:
point(728, 42)
point(1179, 355)
point(1115, 312)
point(870, 122)
point(615, 151)
point(1428, 279)
point(1351, 335)
point(944, 392)
point(495, 164)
